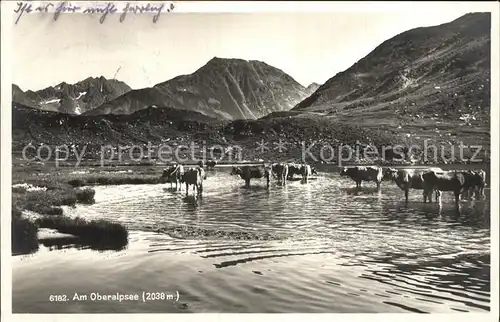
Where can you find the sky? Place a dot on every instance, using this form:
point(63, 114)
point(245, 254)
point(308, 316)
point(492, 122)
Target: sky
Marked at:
point(310, 47)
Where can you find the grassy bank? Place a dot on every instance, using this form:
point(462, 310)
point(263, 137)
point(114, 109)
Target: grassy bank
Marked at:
point(46, 197)
point(49, 200)
point(24, 234)
point(99, 234)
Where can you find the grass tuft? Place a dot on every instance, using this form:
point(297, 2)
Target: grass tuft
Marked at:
point(49, 202)
point(85, 195)
point(98, 233)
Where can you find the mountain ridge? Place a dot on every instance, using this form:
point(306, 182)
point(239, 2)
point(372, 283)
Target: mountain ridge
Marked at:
point(428, 83)
point(74, 98)
point(424, 58)
point(228, 88)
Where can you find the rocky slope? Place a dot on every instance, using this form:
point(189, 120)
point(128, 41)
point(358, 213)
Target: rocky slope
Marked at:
point(173, 127)
point(443, 70)
point(72, 98)
point(426, 83)
point(222, 88)
point(429, 83)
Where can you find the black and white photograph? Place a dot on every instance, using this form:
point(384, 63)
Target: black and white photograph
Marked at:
point(250, 157)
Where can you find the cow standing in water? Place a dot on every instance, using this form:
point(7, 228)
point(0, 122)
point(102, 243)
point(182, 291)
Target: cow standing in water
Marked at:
point(363, 173)
point(407, 179)
point(211, 164)
point(281, 171)
point(445, 181)
point(174, 173)
point(305, 171)
point(252, 172)
point(475, 181)
point(293, 169)
point(194, 177)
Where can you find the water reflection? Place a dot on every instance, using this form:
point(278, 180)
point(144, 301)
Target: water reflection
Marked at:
point(192, 202)
point(72, 242)
point(61, 243)
point(439, 280)
point(324, 242)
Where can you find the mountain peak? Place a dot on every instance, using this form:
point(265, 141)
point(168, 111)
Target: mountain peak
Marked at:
point(473, 16)
point(218, 60)
point(72, 98)
point(313, 87)
point(94, 78)
point(227, 88)
point(16, 87)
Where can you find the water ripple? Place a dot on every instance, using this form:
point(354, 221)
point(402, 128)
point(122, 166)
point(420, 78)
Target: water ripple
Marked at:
point(324, 242)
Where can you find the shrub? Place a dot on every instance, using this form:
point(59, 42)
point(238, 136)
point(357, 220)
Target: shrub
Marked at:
point(45, 202)
point(85, 195)
point(52, 197)
point(52, 211)
point(24, 235)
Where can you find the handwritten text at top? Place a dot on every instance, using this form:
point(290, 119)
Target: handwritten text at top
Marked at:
point(104, 9)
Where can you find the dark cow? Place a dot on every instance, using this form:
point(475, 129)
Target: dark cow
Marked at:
point(363, 173)
point(281, 171)
point(252, 172)
point(194, 177)
point(293, 169)
point(440, 181)
point(475, 181)
point(305, 171)
point(407, 179)
point(314, 171)
point(174, 174)
point(211, 164)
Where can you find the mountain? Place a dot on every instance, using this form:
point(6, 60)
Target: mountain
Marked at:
point(428, 85)
point(312, 88)
point(20, 97)
point(72, 98)
point(35, 126)
point(171, 127)
point(437, 73)
point(222, 88)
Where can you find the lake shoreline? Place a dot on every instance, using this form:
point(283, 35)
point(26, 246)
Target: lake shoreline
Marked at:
point(42, 194)
point(339, 252)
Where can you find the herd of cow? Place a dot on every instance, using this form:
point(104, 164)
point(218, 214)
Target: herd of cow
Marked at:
point(469, 183)
point(195, 176)
point(430, 180)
